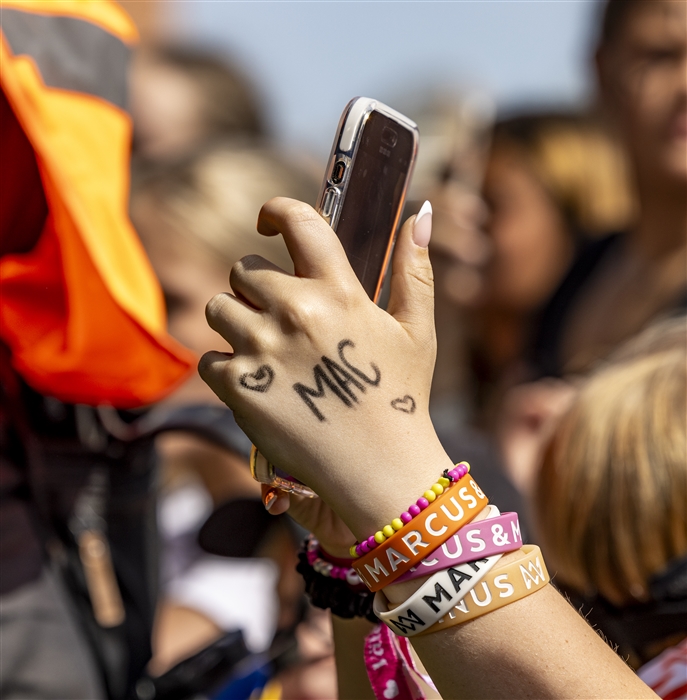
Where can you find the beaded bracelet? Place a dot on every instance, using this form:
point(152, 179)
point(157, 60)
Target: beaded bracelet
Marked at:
point(462, 501)
point(327, 568)
point(335, 594)
point(449, 476)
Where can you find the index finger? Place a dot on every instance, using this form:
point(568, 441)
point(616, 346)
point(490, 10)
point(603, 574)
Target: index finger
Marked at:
point(314, 247)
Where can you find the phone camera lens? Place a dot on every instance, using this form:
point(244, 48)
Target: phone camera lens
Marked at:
point(338, 171)
point(389, 137)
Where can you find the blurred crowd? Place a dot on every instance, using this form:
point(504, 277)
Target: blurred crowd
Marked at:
point(134, 544)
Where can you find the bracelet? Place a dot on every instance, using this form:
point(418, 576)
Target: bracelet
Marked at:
point(335, 594)
point(496, 534)
point(434, 598)
point(501, 586)
point(327, 568)
point(458, 472)
point(428, 531)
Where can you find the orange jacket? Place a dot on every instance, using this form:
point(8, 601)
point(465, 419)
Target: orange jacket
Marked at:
point(82, 312)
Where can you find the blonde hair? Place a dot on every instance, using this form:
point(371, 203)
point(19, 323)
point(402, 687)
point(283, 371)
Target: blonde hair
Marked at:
point(213, 199)
point(579, 164)
point(611, 496)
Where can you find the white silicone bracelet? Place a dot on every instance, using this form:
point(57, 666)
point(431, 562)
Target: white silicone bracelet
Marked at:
point(434, 598)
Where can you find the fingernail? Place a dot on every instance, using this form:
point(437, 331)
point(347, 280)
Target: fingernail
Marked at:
point(270, 499)
point(422, 229)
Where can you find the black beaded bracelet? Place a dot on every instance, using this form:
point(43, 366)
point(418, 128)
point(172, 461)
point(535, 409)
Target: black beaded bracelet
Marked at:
point(334, 594)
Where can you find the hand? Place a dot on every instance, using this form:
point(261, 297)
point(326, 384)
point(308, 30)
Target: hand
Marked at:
point(331, 388)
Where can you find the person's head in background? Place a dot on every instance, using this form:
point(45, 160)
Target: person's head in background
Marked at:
point(642, 71)
point(182, 97)
point(552, 181)
point(197, 218)
point(624, 283)
point(610, 499)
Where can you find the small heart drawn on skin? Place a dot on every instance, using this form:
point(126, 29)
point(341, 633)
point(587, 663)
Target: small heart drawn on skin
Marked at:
point(406, 404)
point(391, 689)
point(260, 380)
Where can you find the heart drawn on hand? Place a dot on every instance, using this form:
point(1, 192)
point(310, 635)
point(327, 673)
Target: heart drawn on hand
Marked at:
point(406, 404)
point(260, 380)
point(391, 689)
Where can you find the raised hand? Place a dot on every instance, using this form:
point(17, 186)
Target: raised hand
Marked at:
point(331, 388)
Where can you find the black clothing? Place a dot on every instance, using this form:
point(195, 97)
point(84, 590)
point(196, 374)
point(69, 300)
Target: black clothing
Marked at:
point(545, 349)
point(545, 355)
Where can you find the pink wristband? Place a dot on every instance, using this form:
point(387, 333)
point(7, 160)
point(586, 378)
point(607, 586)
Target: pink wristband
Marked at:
point(496, 534)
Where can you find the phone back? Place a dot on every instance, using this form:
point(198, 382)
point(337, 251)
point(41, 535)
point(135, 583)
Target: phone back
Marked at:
point(365, 185)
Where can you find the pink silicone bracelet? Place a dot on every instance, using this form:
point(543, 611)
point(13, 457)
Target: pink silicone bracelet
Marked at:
point(496, 534)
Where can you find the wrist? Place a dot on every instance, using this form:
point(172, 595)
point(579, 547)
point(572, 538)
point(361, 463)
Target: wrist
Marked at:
point(386, 486)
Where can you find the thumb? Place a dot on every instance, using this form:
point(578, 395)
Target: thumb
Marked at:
point(412, 281)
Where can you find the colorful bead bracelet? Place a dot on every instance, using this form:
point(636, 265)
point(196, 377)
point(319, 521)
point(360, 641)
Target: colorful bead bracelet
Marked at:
point(449, 476)
point(326, 568)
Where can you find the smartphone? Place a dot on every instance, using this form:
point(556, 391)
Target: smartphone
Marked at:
point(361, 198)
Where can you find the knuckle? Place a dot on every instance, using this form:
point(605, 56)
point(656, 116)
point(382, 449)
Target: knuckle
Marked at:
point(250, 262)
point(424, 276)
point(296, 213)
point(344, 288)
point(303, 315)
point(215, 373)
point(215, 307)
point(205, 365)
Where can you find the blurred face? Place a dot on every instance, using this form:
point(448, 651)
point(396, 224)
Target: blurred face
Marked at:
point(189, 277)
point(166, 108)
point(643, 75)
point(531, 247)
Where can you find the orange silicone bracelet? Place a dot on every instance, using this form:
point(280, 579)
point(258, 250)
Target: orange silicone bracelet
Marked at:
point(458, 505)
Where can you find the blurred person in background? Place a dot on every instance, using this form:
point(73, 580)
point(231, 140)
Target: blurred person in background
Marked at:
point(82, 328)
point(621, 282)
point(196, 219)
point(183, 98)
point(552, 182)
point(610, 504)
